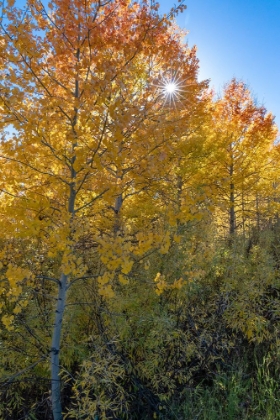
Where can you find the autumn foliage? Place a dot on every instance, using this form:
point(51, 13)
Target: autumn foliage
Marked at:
point(115, 200)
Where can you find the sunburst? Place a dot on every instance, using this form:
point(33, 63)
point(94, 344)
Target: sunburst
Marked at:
point(172, 88)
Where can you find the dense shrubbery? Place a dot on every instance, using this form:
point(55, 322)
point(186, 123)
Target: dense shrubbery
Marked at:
point(206, 349)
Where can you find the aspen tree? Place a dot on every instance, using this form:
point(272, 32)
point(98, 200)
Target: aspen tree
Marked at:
point(86, 128)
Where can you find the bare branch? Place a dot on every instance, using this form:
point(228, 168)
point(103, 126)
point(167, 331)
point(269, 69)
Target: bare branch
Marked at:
point(48, 278)
point(92, 201)
point(21, 372)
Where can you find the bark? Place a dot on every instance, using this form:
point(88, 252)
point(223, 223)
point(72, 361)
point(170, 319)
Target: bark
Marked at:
point(243, 209)
point(258, 213)
point(56, 338)
point(55, 349)
point(117, 209)
point(231, 212)
point(232, 205)
point(64, 279)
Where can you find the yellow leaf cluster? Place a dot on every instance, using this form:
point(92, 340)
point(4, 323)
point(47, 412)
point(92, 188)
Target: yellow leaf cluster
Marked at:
point(7, 321)
point(16, 275)
point(161, 284)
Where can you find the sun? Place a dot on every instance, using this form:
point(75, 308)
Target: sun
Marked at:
point(172, 89)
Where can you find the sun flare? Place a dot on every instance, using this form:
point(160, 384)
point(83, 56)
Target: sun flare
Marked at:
point(170, 88)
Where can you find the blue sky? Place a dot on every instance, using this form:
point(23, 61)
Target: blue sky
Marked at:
point(236, 38)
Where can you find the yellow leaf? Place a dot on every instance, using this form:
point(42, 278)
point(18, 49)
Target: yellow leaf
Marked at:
point(127, 266)
point(107, 291)
point(7, 320)
point(177, 238)
point(122, 279)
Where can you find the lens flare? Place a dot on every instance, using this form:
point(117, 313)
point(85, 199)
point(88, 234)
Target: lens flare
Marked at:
point(170, 88)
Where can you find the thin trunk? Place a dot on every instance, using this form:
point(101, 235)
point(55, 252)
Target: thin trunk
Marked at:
point(118, 200)
point(55, 349)
point(179, 192)
point(179, 200)
point(64, 281)
point(243, 208)
point(117, 208)
point(56, 338)
point(258, 212)
point(232, 205)
point(232, 212)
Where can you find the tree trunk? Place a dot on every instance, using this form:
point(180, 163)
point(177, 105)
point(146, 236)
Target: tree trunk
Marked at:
point(117, 209)
point(232, 205)
point(55, 349)
point(64, 279)
point(258, 212)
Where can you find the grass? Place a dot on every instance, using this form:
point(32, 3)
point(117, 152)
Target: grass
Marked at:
point(235, 395)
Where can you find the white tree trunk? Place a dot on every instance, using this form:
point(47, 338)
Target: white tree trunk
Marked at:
point(55, 349)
